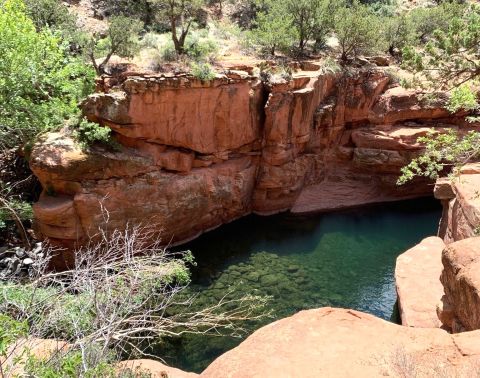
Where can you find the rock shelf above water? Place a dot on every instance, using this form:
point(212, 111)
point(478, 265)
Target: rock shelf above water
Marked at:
point(197, 155)
point(417, 277)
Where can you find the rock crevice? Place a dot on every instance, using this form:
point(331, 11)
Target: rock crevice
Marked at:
point(197, 155)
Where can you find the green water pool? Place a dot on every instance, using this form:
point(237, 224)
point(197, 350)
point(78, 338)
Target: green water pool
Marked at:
point(343, 259)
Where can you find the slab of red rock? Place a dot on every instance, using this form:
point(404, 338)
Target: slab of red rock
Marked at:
point(461, 281)
point(155, 368)
point(183, 112)
point(196, 155)
point(417, 277)
point(339, 343)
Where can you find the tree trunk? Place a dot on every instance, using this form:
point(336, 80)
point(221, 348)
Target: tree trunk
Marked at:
point(391, 50)
point(176, 42)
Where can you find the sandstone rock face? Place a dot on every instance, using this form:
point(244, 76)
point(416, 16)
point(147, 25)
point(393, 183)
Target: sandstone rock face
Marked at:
point(206, 118)
point(461, 281)
point(344, 343)
point(155, 369)
point(196, 155)
point(461, 204)
point(417, 277)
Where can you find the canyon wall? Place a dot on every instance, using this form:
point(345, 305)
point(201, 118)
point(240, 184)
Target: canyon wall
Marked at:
point(195, 155)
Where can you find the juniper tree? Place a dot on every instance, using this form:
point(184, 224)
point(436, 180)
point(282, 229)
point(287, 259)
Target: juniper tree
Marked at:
point(181, 15)
point(274, 28)
point(357, 29)
point(449, 61)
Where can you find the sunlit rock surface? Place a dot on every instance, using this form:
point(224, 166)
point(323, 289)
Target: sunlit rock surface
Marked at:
point(332, 342)
point(197, 155)
point(417, 278)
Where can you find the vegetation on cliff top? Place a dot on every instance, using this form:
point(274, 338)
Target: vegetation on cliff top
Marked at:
point(449, 61)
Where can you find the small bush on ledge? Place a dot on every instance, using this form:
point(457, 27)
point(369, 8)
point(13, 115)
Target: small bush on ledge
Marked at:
point(90, 133)
point(203, 71)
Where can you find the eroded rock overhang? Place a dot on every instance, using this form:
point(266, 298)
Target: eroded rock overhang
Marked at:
point(198, 154)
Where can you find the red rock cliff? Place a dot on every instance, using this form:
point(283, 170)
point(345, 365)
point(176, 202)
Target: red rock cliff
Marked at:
point(197, 155)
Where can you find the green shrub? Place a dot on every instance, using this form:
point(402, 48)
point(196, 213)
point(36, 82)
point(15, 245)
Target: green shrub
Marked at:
point(40, 84)
point(68, 364)
point(442, 150)
point(122, 38)
point(399, 32)
point(168, 52)
point(151, 40)
point(358, 30)
point(274, 29)
point(330, 66)
point(201, 48)
point(462, 98)
point(425, 20)
point(22, 209)
point(55, 15)
point(144, 10)
point(90, 133)
point(10, 331)
point(203, 71)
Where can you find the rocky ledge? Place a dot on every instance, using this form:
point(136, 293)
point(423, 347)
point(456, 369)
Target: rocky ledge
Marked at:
point(460, 197)
point(331, 342)
point(196, 155)
point(438, 281)
point(417, 277)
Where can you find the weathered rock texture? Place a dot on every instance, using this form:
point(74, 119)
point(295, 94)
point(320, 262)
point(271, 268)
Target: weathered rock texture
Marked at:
point(460, 197)
point(461, 281)
point(417, 277)
point(196, 155)
point(153, 369)
point(344, 343)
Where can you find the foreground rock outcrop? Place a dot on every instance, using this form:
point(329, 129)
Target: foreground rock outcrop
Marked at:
point(153, 369)
point(196, 155)
point(417, 278)
point(344, 343)
point(330, 342)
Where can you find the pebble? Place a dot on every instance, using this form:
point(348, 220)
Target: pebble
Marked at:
point(18, 262)
point(28, 261)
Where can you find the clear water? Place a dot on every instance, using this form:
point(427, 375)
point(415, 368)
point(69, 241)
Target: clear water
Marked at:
point(343, 259)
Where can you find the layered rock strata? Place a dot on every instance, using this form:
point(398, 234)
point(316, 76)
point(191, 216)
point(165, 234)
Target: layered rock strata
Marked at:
point(460, 197)
point(461, 281)
point(196, 155)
